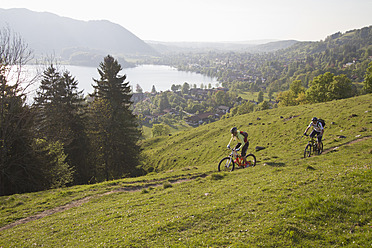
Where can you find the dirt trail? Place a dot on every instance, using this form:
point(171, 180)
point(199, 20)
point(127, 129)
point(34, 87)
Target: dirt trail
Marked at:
point(347, 143)
point(80, 202)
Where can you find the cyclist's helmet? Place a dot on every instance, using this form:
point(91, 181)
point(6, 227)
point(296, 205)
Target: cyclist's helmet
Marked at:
point(314, 119)
point(234, 129)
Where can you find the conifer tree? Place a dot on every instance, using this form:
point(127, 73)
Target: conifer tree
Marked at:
point(15, 137)
point(59, 106)
point(115, 129)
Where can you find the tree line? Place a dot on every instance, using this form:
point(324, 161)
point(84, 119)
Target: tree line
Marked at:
point(323, 88)
point(61, 138)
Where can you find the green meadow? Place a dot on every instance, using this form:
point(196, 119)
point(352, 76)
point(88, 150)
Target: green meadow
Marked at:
point(284, 201)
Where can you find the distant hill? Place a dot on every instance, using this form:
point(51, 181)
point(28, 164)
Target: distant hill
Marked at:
point(48, 33)
point(243, 46)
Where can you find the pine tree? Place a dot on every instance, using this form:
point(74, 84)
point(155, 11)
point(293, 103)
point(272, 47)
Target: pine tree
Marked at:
point(115, 129)
point(15, 139)
point(59, 105)
point(24, 167)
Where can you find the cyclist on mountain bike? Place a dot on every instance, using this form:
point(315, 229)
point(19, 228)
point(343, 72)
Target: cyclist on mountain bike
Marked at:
point(242, 138)
point(318, 130)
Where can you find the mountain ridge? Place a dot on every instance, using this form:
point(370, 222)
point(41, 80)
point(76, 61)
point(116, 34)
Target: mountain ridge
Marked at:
point(253, 46)
point(46, 32)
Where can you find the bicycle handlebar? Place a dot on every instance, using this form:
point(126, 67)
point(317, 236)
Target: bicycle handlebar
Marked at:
point(228, 146)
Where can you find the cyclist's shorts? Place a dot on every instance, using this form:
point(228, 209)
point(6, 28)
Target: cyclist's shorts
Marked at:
point(245, 148)
point(318, 135)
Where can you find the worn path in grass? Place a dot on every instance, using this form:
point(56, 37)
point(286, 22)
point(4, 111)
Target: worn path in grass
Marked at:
point(80, 202)
point(347, 143)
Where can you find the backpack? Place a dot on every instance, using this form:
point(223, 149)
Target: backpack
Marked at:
point(322, 121)
point(245, 134)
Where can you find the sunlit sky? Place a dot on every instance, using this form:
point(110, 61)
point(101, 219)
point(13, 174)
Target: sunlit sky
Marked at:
point(215, 20)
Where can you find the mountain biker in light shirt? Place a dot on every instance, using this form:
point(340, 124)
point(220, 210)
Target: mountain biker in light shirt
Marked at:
point(242, 138)
point(318, 130)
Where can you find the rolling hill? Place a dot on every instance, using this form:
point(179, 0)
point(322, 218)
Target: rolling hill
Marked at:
point(285, 201)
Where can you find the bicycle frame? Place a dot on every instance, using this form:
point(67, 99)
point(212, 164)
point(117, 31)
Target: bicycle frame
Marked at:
point(313, 142)
point(236, 158)
point(228, 163)
point(312, 145)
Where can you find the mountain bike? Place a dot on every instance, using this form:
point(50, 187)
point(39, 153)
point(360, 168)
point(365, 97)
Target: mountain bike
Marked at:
point(228, 163)
point(312, 146)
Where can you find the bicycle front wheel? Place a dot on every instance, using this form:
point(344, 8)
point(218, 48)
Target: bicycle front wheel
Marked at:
point(307, 151)
point(226, 164)
point(251, 159)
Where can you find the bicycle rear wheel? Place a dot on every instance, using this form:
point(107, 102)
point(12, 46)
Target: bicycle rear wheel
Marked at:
point(226, 164)
point(307, 151)
point(321, 148)
point(251, 159)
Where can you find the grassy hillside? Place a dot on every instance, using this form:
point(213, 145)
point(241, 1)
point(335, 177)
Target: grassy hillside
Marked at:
point(278, 130)
point(285, 201)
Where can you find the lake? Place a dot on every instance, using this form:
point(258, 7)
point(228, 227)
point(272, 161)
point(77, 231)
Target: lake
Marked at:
point(145, 75)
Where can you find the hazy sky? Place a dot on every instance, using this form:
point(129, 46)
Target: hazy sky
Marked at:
point(215, 20)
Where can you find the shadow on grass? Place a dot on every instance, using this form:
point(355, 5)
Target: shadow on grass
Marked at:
point(275, 164)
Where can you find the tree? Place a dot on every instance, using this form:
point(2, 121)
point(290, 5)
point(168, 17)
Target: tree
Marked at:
point(264, 105)
point(16, 168)
point(260, 96)
point(175, 88)
point(270, 95)
point(221, 98)
point(25, 164)
point(16, 171)
point(185, 88)
point(60, 118)
point(328, 87)
point(114, 127)
point(139, 89)
point(153, 90)
point(160, 130)
point(318, 91)
point(368, 80)
point(296, 87)
point(51, 159)
point(341, 87)
point(164, 102)
point(286, 98)
point(245, 108)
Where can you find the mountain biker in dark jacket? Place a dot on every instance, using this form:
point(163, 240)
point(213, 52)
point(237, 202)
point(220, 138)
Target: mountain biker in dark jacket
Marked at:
point(318, 130)
point(242, 138)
